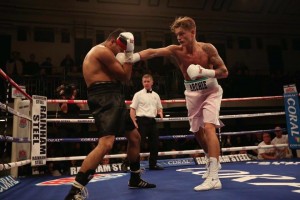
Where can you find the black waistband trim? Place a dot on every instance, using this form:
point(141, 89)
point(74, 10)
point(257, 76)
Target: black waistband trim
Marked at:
point(103, 82)
point(104, 87)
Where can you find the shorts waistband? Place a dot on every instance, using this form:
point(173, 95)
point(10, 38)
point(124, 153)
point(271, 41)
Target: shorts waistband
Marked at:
point(104, 86)
point(203, 84)
point(102, 82)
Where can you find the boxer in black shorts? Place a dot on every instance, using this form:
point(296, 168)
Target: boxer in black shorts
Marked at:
point(103, 74)
point(107, 104)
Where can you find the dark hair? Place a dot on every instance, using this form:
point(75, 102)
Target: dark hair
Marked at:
point(114, 34)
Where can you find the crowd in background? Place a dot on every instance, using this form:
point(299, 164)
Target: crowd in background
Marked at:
point(16, 66)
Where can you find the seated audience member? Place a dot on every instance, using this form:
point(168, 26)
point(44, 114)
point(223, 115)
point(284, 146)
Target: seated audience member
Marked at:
point(105, 161)
point(255, 142)
point(227, 143)
point(281, 152)
point(266, 153)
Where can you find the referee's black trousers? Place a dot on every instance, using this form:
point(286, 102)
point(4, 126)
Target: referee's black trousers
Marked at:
point(148, 128)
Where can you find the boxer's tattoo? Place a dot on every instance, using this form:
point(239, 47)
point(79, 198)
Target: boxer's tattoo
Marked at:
point(213, 55)
point(216, 60)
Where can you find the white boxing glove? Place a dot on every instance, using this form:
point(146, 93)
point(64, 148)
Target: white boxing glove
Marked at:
point(126, 42)
point(121, 57)
point(197, 71)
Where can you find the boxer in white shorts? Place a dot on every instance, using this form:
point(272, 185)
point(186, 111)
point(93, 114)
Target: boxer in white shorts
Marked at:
point(201, 66)
point(203, 102)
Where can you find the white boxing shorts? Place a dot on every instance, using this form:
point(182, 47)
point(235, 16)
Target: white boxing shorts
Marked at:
point(203, 102)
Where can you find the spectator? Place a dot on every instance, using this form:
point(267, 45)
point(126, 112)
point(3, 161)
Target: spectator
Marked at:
point(52, 170)
point(281, 152)
point(269, 153)
point(227, 143)
point(105, 161)
point(257, 139)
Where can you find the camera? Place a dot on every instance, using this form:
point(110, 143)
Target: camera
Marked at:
point(66, 91)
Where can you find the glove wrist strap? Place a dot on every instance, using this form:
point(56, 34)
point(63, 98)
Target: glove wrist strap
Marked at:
point(209, 73)
point(128, 56)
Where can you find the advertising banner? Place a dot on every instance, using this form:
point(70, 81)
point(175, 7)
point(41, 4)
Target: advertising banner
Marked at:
point(39, 131)
point(292, 113)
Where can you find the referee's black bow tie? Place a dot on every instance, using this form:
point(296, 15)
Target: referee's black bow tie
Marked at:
point(149, 91)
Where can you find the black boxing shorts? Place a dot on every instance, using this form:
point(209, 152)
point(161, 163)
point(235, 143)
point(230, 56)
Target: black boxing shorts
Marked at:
point(107, 104)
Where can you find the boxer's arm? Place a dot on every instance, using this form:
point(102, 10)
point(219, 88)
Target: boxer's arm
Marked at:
point(120, 72)
point(216, 61)
point(152, 53)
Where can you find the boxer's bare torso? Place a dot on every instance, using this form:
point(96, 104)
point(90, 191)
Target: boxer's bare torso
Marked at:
point(100, 64)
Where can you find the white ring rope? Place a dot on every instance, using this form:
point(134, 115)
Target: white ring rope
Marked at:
point(168, 153)
point(174, 119)
point(14, 164)
point(175, 100)
point(12, 139)
point(251, 115)
point(12, 111)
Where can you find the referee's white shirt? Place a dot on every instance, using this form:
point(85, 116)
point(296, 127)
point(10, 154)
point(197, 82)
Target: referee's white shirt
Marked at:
point(146, 104)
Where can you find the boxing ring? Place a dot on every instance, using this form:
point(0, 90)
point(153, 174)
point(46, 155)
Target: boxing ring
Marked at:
point(242, 176)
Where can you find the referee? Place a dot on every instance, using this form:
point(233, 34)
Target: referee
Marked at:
point(145, 106)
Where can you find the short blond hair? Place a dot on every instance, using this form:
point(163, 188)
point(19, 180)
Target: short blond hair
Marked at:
point(148, 76)
point(183, 22)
